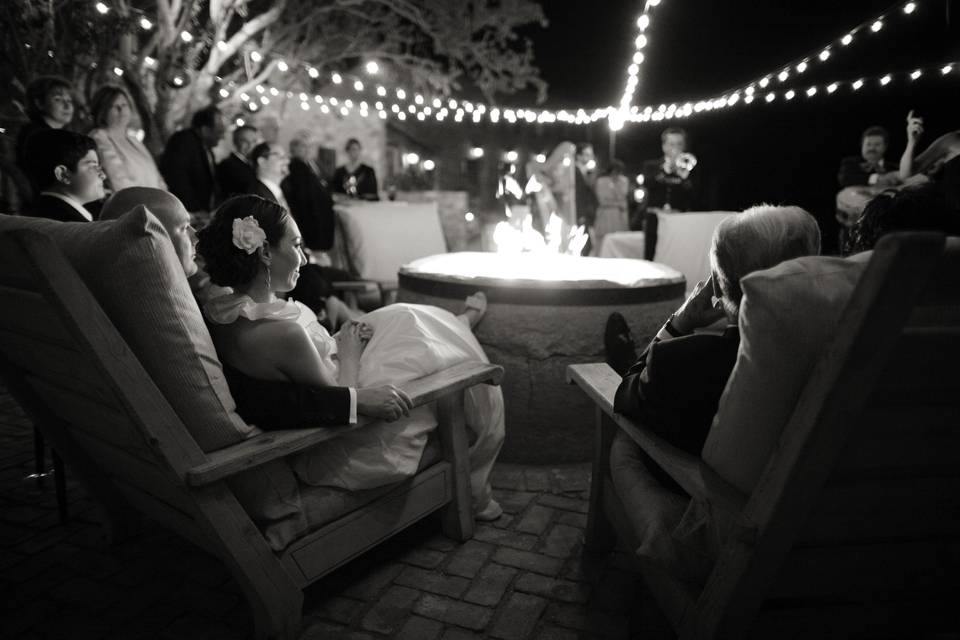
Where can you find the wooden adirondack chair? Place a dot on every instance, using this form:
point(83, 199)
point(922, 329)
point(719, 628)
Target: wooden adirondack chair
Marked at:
point(69, 368)
point(854, 527)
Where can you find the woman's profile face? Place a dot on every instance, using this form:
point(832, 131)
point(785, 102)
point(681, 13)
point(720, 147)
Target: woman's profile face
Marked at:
point(58, 106)
point(118, 115)
point(286, 259)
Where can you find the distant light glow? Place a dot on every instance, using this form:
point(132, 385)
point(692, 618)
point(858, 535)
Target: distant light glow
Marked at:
point(847, 39)
point(511, 156)
point(372, 67)
point(876, 26)
point(909, 8)
point(429, 165)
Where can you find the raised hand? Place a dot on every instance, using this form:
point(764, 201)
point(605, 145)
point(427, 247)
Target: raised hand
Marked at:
point(914, 128)
point(698, 310)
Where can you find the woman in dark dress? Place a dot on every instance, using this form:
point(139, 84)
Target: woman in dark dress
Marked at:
point(354, 178)
point(49, 106)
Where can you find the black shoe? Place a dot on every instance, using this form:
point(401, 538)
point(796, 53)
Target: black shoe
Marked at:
point(618, 344)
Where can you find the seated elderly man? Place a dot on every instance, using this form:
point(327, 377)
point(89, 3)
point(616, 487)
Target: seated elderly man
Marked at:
point(278, 405)
point(675, 386)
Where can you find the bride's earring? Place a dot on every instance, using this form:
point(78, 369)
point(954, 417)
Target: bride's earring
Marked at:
point(267, 277)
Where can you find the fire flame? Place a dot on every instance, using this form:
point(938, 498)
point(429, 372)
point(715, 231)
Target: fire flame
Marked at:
point(517, 235)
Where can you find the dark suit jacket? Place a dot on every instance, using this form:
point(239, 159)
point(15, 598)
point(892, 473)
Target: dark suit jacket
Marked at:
point(682, 194)
point(585, 198)
point(187, 166)
point(675, 386)
point(855, 171)
point(310, 204)
point(46, 206)
point(366, 181)
point(234, 176)
point(286, 405)
point(257, 188)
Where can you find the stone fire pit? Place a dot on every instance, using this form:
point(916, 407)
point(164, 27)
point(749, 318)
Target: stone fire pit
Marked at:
point(546, 311)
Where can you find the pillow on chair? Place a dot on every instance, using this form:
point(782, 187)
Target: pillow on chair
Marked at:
point(787, 317)
point(131, 269)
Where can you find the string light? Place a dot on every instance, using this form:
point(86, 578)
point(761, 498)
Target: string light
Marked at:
point(145, 24)
point(255, 56)
point(283, 66)
point(876, 26)
point(102, 8)
point(909, 8)
point(372, 67)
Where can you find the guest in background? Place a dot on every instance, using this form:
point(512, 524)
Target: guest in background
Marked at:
point(585, 163)
point(612, 191)
point(15, 190)
point(125, 160)
point(271, 164)
point(672, 181)
point(354, 178)
point(65, 167)
point(308, 195)
point(941, 160)
point(49, 106)
point(235, 173)
point(870, 167)
point(862, 177)
point(188, 164)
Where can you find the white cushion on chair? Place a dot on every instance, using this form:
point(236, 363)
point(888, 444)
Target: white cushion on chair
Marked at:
point(787, 318)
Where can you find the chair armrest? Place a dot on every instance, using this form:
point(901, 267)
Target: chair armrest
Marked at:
point(600, 383)
point(267, 447)
point(359, 286)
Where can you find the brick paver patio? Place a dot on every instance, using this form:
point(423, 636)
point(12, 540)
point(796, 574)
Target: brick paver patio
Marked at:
point(524, 576)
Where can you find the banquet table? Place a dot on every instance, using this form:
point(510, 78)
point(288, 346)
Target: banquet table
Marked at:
point(683, 242)
point(378, 237)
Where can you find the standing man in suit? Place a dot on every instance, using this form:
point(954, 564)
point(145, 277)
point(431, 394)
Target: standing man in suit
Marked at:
point(66, 170)
point(188, 165)
point(271, 165)
point(584, 195)
point(309, 197)
point(235, 173)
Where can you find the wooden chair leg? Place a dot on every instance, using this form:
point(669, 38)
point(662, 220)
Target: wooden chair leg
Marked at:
point(600, 535)
point(60, 482)
point(458, 515)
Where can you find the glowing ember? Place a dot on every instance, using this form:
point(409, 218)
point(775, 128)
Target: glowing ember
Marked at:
point(543, 267)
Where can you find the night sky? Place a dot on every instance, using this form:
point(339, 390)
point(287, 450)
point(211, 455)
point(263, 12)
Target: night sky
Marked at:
point(780, 153)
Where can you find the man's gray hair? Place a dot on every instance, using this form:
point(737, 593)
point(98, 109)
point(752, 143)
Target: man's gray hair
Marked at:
point(759, 238)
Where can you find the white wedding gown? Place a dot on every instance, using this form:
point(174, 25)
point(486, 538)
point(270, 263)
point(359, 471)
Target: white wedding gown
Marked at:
point(409, 341)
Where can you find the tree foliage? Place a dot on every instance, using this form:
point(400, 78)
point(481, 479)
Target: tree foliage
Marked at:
point(436, 46)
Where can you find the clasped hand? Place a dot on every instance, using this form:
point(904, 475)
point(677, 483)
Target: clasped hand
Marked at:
point(351, 339)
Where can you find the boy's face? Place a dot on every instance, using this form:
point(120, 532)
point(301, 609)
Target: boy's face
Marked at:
point(86, 183)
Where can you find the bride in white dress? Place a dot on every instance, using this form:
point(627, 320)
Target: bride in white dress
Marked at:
point(253, 246)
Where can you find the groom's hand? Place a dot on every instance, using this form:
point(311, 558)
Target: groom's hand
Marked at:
point(386, 402)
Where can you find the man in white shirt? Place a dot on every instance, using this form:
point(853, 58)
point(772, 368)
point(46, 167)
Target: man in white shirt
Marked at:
point(65, 170)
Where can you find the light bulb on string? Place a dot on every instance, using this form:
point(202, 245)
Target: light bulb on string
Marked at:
point(857, 84)
point(824, 55)
point(832, 87)
point(790, 94)
point(372, 67)
point(638, 57)
point(641, 41)
point(336, 78)
point(102, 8)
point(401, 94)
point(764, 82)
point(283, 66)
point(847, 39)
point(643, 22)
point(946, 69)
point(255, 56)
point(357, 85)
point(186, 36)
point(909, 8)
point(916, 74)
point(770, 97)
point(145, 24)
point(876, 26)
point(802, 66)
point(313, 73)
point(885, 80)
point(812, 91)
point(783, 75)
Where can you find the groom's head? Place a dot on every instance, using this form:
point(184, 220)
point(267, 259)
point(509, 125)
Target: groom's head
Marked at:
point(168, 210)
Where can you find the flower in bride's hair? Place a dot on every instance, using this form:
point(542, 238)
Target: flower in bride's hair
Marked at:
point(247, 234)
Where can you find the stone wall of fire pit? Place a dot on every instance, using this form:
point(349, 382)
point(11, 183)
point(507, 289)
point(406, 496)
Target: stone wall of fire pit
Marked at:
point(536, 326)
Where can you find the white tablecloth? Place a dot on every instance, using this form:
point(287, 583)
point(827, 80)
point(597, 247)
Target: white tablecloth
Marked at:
point(683, 242)
point(382, 236)
point(622, 244)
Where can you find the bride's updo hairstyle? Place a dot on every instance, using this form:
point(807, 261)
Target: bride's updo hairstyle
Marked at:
point(227, 264)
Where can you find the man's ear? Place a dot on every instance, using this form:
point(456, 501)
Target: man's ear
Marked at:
point(62, 174)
